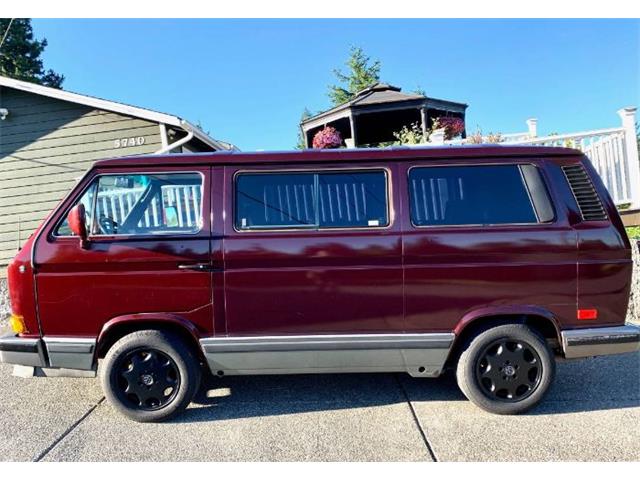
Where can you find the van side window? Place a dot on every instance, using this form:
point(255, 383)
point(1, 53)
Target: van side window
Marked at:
point(315, 200)
point(275, 200)
point(357, 199)
point(143, 204)
point(474, 195)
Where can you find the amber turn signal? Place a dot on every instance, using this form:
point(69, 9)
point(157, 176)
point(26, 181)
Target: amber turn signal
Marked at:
point(17, 323)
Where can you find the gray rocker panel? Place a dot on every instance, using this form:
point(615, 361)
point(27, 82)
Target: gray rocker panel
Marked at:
point(418, 354)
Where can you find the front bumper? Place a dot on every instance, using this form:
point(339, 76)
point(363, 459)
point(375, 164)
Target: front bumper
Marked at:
point(22, 351)
point(592, 342)
point(53, 352)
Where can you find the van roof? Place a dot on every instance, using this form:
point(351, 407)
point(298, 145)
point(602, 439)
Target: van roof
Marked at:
point(347, 155)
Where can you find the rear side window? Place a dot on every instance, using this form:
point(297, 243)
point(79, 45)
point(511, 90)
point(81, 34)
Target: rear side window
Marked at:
point(315, 200)
point(477, 195)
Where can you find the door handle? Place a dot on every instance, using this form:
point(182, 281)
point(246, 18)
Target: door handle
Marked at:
point(198, 267)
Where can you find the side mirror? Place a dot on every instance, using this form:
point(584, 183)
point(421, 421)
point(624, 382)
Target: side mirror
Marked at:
point(76, 220)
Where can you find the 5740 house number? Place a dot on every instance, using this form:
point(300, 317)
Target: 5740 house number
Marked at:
point(128, 142)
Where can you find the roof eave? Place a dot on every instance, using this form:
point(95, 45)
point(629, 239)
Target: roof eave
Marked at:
point(108, 105)
point(203, 137)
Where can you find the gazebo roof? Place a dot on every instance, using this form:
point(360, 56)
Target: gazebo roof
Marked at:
point(378, 94)
point(382, 93)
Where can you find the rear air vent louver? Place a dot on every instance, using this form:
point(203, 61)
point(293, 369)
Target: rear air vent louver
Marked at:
point(588, 201)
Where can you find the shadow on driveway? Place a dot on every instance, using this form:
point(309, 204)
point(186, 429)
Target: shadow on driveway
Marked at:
point(603, 383)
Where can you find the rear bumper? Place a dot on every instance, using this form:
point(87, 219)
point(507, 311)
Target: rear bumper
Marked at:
point(22, 351)
point(592, 342)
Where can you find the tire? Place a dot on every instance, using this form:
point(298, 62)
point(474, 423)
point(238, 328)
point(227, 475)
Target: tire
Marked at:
point(506, 369)
point(150, 375)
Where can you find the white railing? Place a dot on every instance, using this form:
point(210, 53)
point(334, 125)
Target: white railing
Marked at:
point(606, 150)
point(613, 152)
point(117, 204)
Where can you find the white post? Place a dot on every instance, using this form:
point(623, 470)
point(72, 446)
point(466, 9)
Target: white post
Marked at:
point(628, 116)
point(532, 124)
point(437, 137)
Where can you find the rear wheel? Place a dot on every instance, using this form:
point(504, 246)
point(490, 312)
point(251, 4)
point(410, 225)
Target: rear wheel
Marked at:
point(150, 375)
point(506, 369)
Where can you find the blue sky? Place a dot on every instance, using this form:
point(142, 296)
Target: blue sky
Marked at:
point(247, 81)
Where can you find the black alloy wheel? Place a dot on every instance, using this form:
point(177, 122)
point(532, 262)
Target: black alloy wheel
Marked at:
point(148, 379)
point(150, 375)
point(509, 370)
point(506, 369)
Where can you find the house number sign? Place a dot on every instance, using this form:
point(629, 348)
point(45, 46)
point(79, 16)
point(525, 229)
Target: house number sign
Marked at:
point(129, 142)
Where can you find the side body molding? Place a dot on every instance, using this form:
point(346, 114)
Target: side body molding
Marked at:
point(422, 354)
point(70, 352)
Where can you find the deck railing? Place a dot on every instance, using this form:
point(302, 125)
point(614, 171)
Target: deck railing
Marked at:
point(607, 151)
point(118, 203)
point(613, 152)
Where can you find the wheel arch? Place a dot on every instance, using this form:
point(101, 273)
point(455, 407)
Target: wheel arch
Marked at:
point(118, 327)
point(472, 324)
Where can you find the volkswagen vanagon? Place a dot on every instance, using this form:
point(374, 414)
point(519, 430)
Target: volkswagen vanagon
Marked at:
point(489, 261)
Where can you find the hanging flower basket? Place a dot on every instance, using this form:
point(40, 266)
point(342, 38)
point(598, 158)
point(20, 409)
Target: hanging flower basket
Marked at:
point(453, 126)
point(328, 137)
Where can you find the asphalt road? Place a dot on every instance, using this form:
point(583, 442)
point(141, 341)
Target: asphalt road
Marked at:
point(591, 413)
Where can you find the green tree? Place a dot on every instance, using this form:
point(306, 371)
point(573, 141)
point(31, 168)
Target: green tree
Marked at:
point(420, 91)
point(20, 54)
point(361, 73)
point(306, 113)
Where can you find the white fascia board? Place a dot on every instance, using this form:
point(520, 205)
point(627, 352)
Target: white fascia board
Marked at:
point(200, 135)
point(99, 103)
point(89, 101)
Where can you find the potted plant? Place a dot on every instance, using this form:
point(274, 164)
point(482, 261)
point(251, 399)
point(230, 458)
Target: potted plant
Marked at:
point(328, 137)
point(453, 126)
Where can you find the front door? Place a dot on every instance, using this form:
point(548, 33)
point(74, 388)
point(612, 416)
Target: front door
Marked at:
point(148, 252)
point(312, 251)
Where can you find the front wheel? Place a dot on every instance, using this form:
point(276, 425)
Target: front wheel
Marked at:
point(150, 375)
point(506, 369)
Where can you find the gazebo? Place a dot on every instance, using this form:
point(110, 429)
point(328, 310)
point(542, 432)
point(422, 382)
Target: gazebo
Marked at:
point(376, 112)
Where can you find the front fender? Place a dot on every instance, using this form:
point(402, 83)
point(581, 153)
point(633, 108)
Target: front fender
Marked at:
point(148, 318)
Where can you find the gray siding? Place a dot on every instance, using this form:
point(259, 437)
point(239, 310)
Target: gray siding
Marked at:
point(46, 145)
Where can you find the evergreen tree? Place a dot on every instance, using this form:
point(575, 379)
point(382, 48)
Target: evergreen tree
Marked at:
point(361, 73)
point(305, 114)
point(20, 54)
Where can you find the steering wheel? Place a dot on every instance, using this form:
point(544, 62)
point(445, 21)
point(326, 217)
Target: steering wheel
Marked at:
point(107, 225)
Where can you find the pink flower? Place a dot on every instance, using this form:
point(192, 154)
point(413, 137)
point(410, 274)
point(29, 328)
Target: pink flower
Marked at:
point(328, 137)
point(453, 126)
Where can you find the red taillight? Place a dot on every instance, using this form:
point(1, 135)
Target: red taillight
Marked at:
point(587, 314)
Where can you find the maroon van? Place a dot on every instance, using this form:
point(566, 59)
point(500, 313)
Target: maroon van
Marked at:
point(490, 261)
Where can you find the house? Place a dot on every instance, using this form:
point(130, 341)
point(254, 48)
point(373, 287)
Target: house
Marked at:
point(376, 112)
point(50, 137)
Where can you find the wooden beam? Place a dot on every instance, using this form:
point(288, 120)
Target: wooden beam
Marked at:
point(423, 119)
point(352, 124)
point(323, 120)
point(630, 218)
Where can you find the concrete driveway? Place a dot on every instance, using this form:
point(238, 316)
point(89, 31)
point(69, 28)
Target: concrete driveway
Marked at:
point(592, 413)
